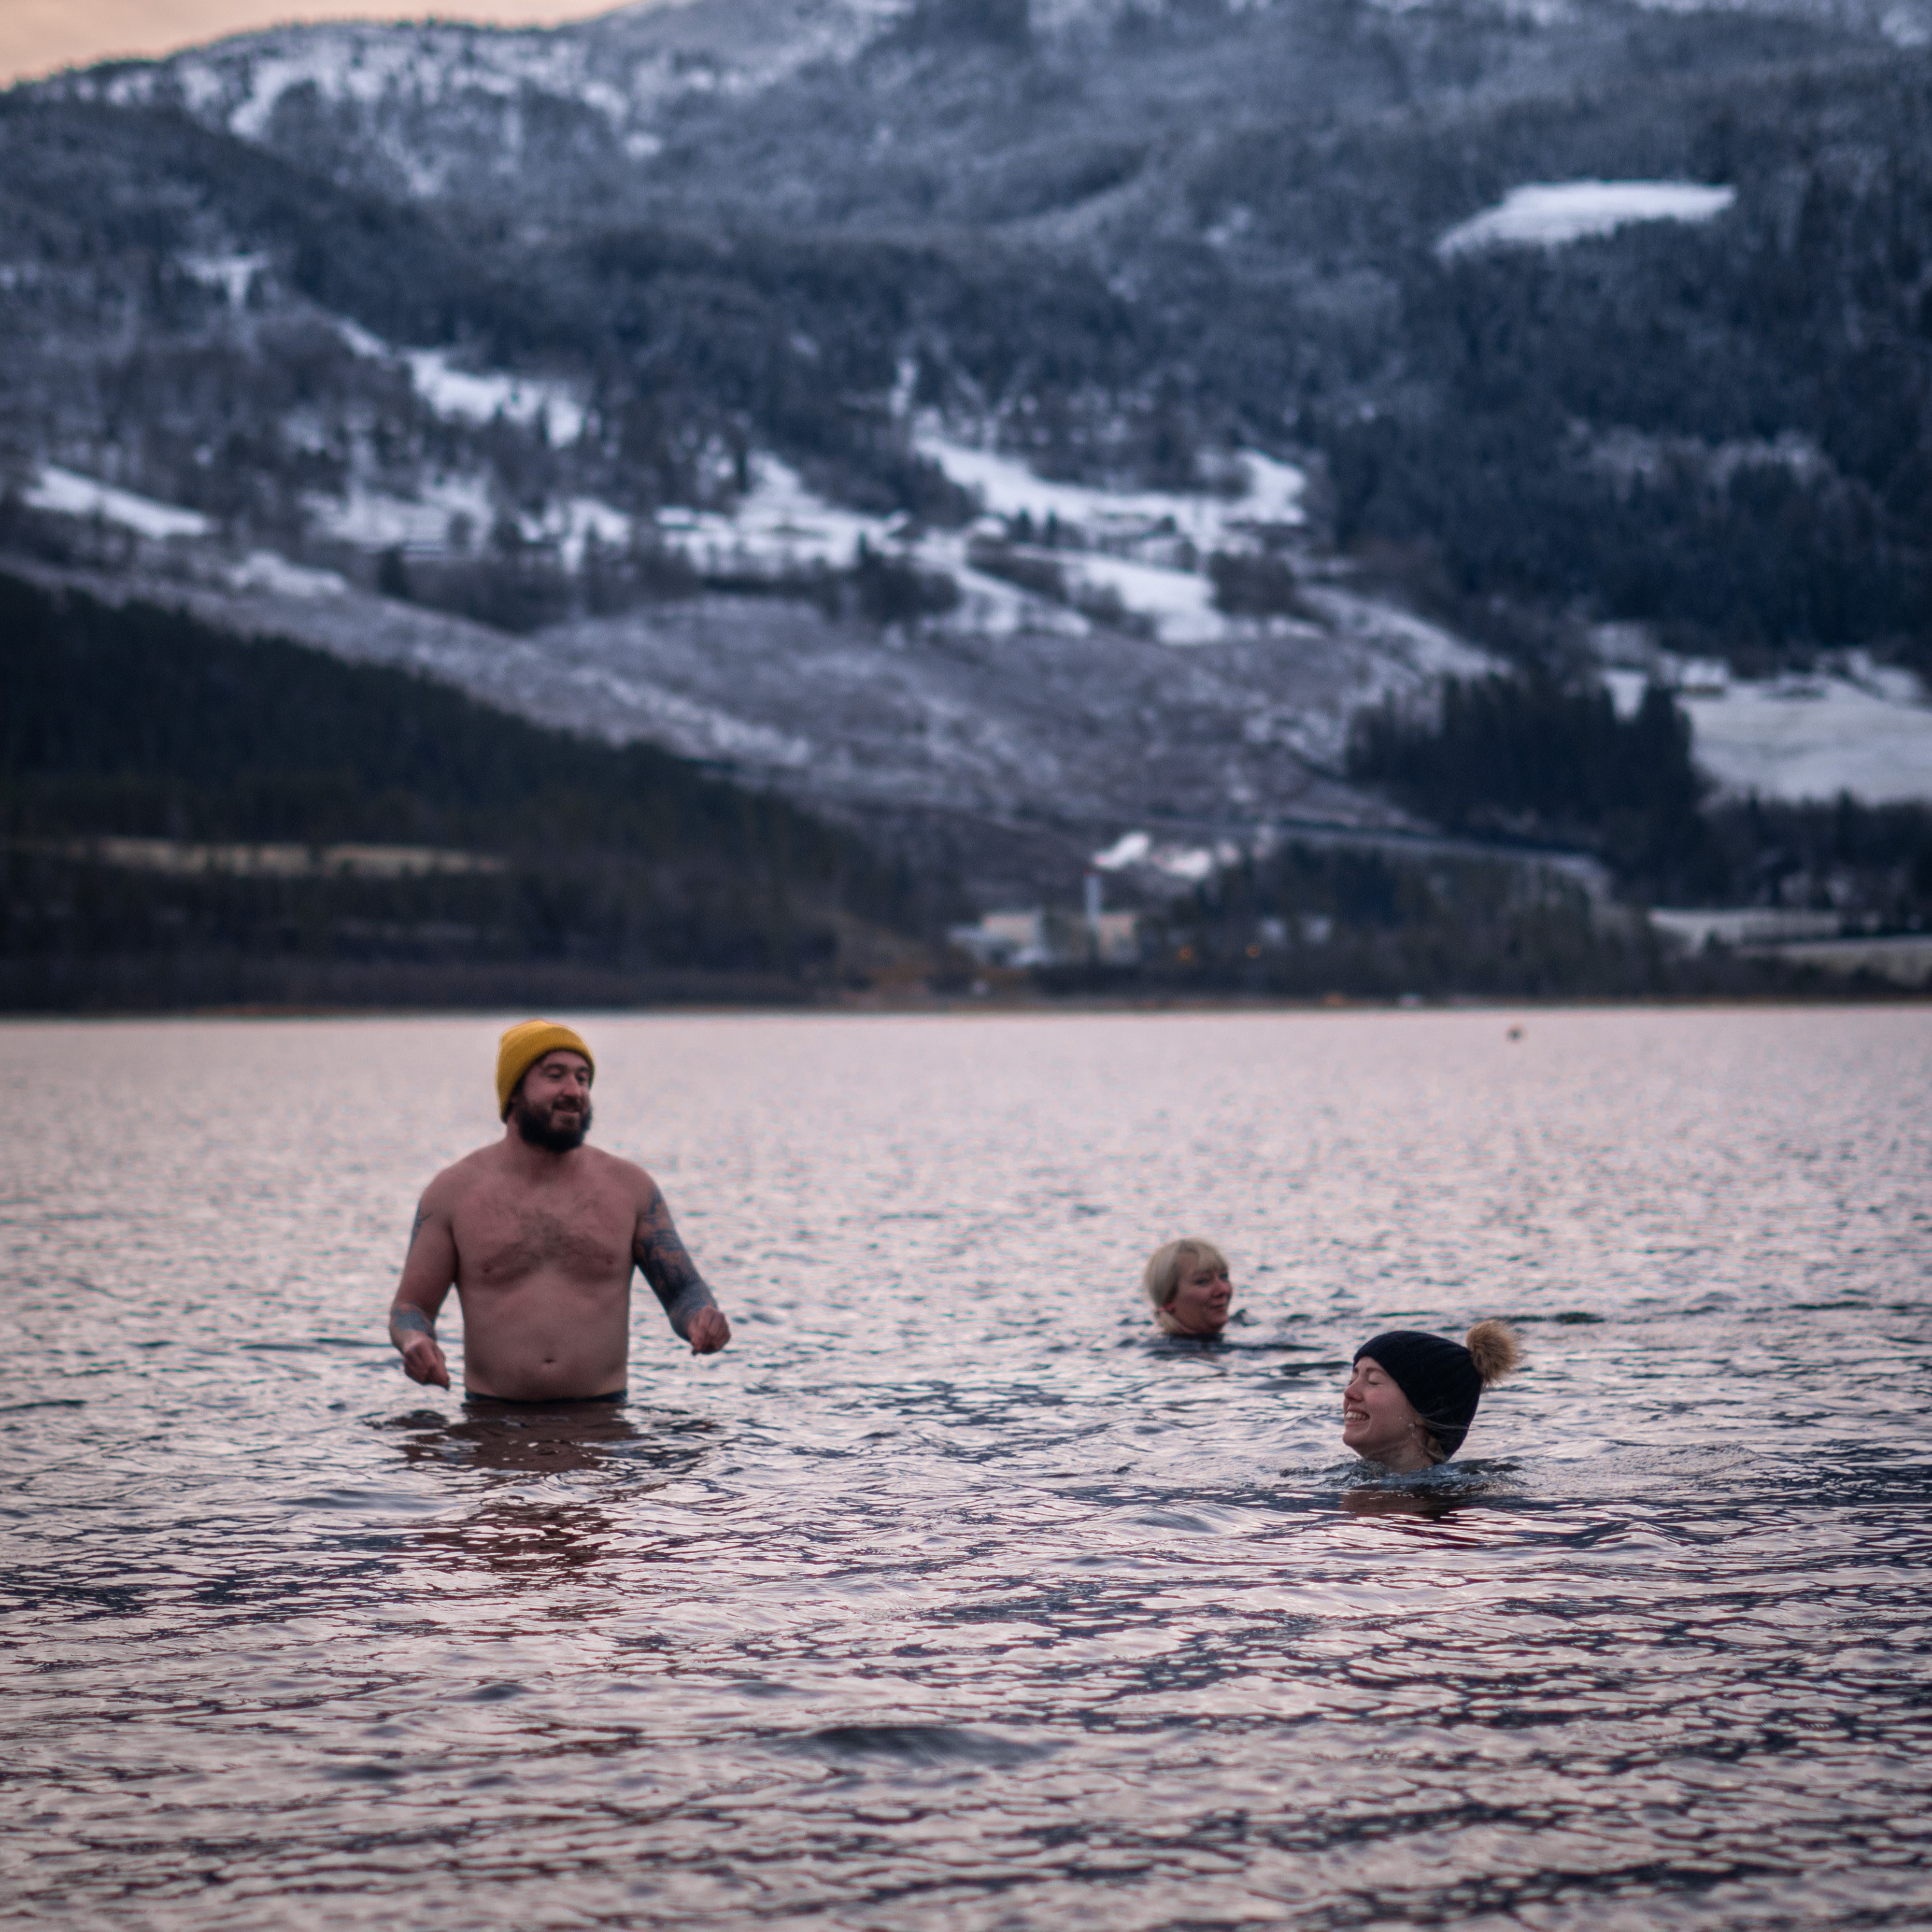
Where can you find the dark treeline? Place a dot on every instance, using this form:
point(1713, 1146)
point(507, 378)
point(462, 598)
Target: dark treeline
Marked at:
point(1527, 758)
point(1872, 862)
point(1308, 922)
point(137, 721)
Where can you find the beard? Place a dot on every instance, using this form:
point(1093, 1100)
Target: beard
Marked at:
point(554, 1133)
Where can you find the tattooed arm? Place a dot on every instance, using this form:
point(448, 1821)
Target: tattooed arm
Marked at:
point(428, 1268)
point(674, 1278)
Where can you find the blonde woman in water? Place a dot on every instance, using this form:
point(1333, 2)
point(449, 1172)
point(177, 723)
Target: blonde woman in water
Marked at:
point(1187, 1281)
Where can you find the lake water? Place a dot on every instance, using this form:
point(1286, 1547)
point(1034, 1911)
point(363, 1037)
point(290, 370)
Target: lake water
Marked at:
point(947, 1598)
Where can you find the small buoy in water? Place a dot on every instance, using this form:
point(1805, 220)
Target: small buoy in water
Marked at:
point(1516, 1033)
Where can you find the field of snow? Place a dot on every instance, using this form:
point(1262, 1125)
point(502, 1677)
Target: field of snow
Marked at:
point(454, 514)
point(457, 395)
point(1143, 549)
point(264, 570)
point(474, 396)
point(67, 493)
point(1857, 726)
point(1007, 488)
point(1190, 864)
point(1117, 544)
point(376, 520)
point(1547, 215)
point(779, 525)
point(1140, 552)
point(1813, 737)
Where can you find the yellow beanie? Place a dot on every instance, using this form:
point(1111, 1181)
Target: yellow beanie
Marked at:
point(523, 1046)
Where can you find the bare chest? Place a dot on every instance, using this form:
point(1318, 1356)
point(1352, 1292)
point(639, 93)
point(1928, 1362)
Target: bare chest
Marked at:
point(504, 1241)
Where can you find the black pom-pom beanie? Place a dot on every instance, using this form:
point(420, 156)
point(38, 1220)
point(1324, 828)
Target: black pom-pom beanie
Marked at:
point(1439, 1377)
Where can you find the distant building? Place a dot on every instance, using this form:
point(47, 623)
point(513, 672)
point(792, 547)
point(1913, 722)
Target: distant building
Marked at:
point(1040, 938)
point(1116, 937)
point(1004, 939)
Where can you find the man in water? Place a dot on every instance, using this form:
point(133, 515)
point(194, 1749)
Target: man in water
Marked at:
point(539, 1234)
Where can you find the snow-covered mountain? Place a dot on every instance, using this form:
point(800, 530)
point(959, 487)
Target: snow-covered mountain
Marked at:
point(623, 64)
point(1046, 426)
point(436, 107)
point(546, 117)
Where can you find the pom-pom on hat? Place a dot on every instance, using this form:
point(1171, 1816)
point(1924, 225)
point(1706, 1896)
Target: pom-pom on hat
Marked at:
point(522, 1046)
point(1445, 1380)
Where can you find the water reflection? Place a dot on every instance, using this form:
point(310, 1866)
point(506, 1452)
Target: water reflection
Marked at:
point(524, 1543)
point(1381, 1499)
point(527, 1540)
point(535, 1439)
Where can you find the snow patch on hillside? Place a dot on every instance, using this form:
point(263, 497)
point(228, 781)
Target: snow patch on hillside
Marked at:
point(1853, 726)
point(1813, 738)
point(1143, 550)
point(427, 522)
point(1547, 214)
point(476, 396)
point(1006, 488)
point(458, 395)
point(267, 571)
point(455, 515)
point(1137, 850)
point(778, 525)
point(66, 492)
point(234, 275)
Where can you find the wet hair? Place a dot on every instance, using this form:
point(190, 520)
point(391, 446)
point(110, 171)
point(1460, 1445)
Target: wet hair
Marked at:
point(1445, 1380)
point(1161, 1282)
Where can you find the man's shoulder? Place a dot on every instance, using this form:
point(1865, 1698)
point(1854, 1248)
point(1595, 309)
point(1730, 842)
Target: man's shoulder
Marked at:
point(460, 1176)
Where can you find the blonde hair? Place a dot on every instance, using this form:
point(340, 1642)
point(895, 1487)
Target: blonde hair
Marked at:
point(1161, 1280)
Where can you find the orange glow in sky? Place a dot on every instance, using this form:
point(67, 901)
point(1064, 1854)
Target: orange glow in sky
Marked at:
point(39, 36)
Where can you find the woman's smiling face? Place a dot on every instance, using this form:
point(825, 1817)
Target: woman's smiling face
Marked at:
point(1378, 1420)
point(1200, 1298)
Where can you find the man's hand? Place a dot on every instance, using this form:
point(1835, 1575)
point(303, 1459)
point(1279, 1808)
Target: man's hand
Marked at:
point(709, 1331)
point(415, 1335)
point(422, 1361)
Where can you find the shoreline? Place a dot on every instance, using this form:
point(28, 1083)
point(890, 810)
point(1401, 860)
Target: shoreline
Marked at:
point(874, 1006)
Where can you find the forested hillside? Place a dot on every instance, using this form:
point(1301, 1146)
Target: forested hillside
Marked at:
point(1529, 761)
point(1725, 429)
point(1015, 430)
point(544, 860)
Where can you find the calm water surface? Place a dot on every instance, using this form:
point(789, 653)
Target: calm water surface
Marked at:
point(947, 1598)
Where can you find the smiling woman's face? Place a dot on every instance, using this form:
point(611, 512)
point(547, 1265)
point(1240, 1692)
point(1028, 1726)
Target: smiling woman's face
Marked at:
point(1378, 1420)
point(1200, 1298)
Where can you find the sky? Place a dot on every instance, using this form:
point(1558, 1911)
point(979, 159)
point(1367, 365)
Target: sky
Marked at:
point(38, 36)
